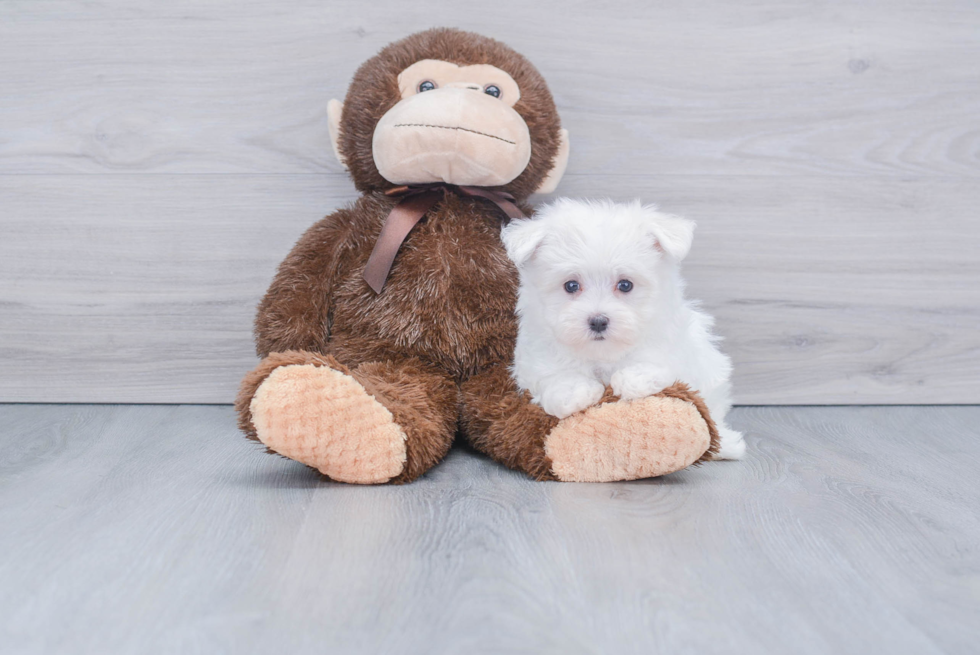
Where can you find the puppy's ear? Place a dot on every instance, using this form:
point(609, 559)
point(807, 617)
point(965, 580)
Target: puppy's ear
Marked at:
point(673, 234)
point(522, 237)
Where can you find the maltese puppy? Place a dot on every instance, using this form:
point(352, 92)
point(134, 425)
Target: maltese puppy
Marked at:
point(601, 301)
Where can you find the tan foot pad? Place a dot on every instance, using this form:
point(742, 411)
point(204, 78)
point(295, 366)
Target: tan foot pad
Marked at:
point(627, 440)
point(325, 419)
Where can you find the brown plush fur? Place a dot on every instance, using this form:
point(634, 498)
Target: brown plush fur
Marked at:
point(423, 402)
point(433, 347)
point(420, 398)
point(502, 422)
point(374, 90)
point(448, 301)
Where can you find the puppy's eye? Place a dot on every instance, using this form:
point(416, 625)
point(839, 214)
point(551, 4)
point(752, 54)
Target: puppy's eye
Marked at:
point(492, 90)
point(572, 286)
point(625, 286)
point(427, 85)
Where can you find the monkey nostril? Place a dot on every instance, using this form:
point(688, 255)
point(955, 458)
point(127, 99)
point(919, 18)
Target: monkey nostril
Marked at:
point(598, 323)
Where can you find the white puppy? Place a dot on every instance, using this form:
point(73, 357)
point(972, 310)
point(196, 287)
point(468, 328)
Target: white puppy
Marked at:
point(602, 302)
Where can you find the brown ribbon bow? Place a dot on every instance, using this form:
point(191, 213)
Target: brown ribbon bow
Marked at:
point(415, 202)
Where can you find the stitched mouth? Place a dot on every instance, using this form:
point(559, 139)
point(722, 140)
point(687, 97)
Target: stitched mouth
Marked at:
point(461, 129)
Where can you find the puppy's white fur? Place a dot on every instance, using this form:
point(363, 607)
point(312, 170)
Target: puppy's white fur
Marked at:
point(654, 336)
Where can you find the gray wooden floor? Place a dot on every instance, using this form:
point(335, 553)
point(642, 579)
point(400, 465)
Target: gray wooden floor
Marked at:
point(142, 529)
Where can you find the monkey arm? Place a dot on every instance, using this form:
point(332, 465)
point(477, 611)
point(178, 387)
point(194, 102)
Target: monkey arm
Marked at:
point(296, 310)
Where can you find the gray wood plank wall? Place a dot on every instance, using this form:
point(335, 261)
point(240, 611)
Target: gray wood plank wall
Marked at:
point(157, 160)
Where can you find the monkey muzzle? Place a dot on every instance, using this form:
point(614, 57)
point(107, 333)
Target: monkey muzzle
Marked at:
point(452, 135)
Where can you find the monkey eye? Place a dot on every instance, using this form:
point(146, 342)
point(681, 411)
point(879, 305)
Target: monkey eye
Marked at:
point(572, 286)
point(427, 85)
point(625, 286)
point(492, 90)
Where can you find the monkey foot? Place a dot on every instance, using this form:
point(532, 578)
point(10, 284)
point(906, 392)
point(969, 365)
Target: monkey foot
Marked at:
point(628, 440)
point(325, 419)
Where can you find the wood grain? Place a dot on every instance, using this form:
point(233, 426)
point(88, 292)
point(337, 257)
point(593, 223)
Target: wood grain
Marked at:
point(827, 290)
point(159, 529)
point(652, 88)
point(157, 160)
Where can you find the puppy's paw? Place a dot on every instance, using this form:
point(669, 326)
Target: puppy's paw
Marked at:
point(639, 381)
point(564, 398)
point(732, 444)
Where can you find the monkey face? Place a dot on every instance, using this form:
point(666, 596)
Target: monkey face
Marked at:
point(453, 124)
point(453, 107)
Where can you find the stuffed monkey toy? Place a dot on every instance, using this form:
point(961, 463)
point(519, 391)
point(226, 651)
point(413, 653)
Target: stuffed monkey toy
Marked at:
point(390, 327)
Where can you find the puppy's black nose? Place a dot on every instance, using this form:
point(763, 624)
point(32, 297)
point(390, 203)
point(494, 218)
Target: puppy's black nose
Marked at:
point(598, 323)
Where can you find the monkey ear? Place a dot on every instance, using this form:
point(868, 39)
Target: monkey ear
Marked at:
point(550, 183)
point(522, 237)
point(335, 108)
point(673, 234)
